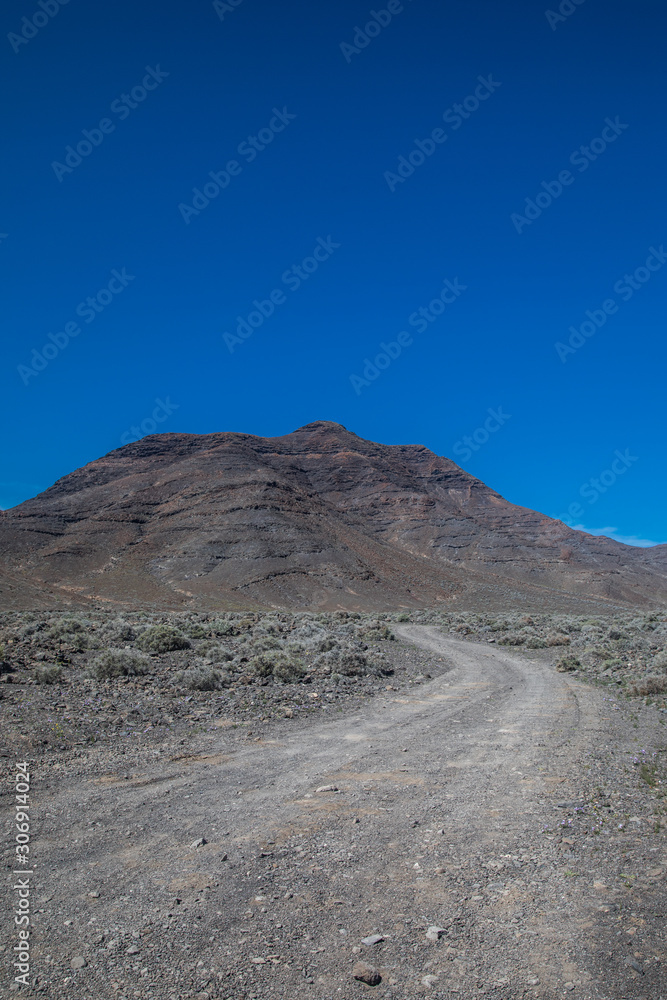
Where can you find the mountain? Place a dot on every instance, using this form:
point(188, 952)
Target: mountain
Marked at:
point(319, 518)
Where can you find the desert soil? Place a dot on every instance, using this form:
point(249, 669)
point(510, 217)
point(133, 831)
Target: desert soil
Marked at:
point(512, 810)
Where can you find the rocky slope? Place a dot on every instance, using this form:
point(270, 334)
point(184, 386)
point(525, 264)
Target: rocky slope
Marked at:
point(317, 518)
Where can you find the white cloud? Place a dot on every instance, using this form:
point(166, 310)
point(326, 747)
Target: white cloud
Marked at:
point(642, 543)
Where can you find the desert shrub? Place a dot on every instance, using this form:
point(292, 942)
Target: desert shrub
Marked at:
point(377, 633)
point(195, 631)
point(287, 668)
point(264, 643)
point(512, 639)
point(651, 685)
point(567, 663)
point(403, 617)
point(162, 639)
point(118, 663)
point(48, 675)
point(557, 639)
point(535, 642)
point(659, 662)
point(120, 631)
point(215, 653)
point(64, 627)
point(222, 627)
point(202, 679)
point(350, 662)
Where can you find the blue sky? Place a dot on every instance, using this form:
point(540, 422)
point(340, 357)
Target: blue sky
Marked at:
point(258, 199)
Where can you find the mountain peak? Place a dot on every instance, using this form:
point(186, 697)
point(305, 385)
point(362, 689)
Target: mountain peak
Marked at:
point(316, 518)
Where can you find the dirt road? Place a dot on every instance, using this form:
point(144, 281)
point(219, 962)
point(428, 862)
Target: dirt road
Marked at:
point(433, 815)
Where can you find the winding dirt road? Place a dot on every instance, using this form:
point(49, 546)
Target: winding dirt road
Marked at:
point(434, 815)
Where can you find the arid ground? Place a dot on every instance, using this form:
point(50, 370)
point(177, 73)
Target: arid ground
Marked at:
point(451, 817)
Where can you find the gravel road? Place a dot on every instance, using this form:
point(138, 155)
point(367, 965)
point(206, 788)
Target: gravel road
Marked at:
point(451, 824)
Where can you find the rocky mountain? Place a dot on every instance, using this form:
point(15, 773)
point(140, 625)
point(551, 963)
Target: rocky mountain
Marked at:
point(317, 518)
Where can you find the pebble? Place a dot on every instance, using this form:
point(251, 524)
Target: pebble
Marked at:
point(372, 939)
point(326, 788)
point(94, 895)
point(199, 842)
point(79, 962)
point(435, 933)
point(132, 950)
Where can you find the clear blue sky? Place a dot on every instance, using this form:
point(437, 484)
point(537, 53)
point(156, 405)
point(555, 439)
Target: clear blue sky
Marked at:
point(304, 122)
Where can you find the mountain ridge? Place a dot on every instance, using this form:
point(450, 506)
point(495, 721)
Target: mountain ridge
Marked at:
point(316, 518)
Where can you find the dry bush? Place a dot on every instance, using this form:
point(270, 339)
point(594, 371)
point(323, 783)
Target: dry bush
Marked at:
point(162, 639)
point(118, 663)
point(48, 675)
point(651, 685)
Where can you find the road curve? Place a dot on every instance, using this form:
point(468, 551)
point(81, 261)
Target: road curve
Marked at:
point(436, 802)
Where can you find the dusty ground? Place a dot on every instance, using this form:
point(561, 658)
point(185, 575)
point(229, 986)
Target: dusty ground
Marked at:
point(515, 808)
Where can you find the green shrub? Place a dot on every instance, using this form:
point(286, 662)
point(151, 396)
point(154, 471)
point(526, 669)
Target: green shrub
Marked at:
point(287, 668)
point(403, 617)
point(214, 653)
point(120, 631)
point(48, 675)
point(196, 631)
point(201, 679)
point(65, 627)
point(567, 663)
point(162, 639)
point(118, 663)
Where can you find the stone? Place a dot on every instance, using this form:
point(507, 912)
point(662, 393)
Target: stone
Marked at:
point(79, 962)
point(327, 788)
point(366, 974)
point(429, 981)
point(198, 843)
point(132, 950)
point(435, 933)
point(372, 939)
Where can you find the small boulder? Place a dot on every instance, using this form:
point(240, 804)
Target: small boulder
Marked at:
point(435, 933)
point(366, 974)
